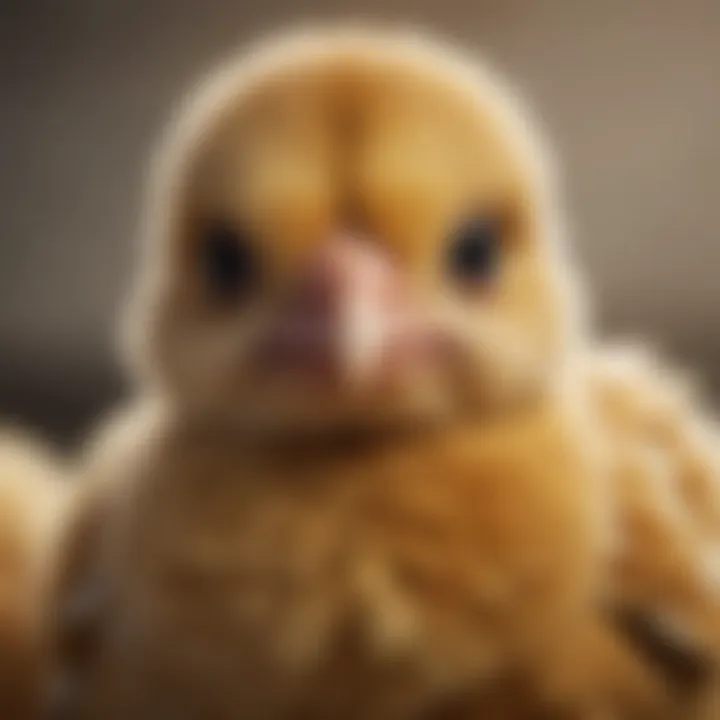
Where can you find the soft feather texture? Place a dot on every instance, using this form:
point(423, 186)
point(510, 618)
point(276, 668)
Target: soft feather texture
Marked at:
point(33, 498)
point(448, 542)
point(368, 582)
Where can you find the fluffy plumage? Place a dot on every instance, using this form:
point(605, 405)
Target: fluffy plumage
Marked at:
point(32, 501)
point(431, 500)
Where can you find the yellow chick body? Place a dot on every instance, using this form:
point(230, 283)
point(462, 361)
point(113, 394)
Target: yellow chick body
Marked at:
point(383, 580)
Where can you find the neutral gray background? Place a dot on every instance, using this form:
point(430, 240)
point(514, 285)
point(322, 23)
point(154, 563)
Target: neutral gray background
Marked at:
point(629, 90)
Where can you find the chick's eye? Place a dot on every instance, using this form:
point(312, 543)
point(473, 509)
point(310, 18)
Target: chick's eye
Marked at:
point(230, 264)
point(474, 251)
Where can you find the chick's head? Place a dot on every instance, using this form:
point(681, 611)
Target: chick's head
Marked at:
point(352, 230)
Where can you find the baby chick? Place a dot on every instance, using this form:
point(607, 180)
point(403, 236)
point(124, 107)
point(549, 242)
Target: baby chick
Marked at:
point(32, 499)
point(369, 475)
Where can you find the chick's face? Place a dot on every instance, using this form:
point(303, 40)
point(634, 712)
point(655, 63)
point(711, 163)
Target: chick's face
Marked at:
point(357, 236)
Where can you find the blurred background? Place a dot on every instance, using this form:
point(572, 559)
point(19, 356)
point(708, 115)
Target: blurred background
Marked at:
point(629, 92)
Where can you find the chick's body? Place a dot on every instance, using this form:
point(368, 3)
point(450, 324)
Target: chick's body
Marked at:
point(379, 581)
point(378, 479)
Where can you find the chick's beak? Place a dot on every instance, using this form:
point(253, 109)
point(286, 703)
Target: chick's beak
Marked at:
point(341, 317)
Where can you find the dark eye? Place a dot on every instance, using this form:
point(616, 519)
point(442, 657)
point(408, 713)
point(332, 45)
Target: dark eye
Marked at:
point(474, 251)
point(230, 263)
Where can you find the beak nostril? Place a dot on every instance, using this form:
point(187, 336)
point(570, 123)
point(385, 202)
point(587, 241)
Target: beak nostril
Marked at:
point(315, 293)
point(344, 267)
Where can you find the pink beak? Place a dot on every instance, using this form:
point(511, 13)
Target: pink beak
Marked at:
point(340, 318)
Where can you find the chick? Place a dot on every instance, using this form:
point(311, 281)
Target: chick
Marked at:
point(369, 473)
point(32, 500)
